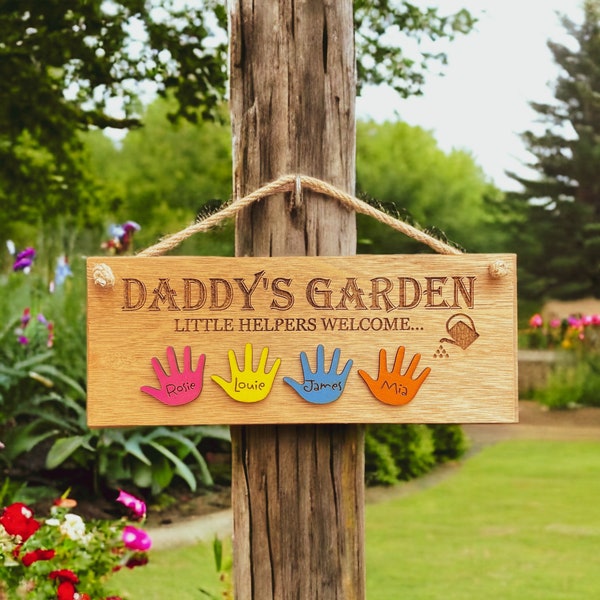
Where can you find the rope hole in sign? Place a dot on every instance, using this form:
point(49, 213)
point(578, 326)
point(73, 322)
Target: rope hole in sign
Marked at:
point(104, 277)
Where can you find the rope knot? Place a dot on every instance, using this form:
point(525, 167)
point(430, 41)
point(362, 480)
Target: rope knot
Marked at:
point(498, 269)
point(103, 275)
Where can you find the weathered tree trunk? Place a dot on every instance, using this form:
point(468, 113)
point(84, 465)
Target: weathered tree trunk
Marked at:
point(298, 492)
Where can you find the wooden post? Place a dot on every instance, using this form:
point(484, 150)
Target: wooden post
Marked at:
point(298, 491)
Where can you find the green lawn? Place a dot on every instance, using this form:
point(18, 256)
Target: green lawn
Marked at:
point(519, 521)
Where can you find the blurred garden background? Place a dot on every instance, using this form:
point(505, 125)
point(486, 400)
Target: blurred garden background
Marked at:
point(114, 132)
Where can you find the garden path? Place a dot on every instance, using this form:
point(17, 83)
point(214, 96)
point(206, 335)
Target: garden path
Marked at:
point(207, 518)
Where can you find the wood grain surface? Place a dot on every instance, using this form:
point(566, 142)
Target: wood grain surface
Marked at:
point(446, 309)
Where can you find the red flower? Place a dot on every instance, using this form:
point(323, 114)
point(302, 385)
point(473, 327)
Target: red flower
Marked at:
point(36, 555)
point(66, 591)
point(64, 575)
point(66, 588)
point(137, 560)
point(18, 519)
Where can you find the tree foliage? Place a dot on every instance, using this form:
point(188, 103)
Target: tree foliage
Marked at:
point(559, 211)
point(65, 64)
point(402, 168)
point(62, 66)
point(164, 175)
point(384, 30)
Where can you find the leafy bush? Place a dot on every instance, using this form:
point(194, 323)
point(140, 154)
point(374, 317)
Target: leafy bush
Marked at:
point(572, 383)
point(380, 468)
point(402, 452)
point(42, 404)
point(148, 457)
point(449, 442)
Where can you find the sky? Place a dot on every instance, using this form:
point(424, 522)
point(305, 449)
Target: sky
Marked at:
point(481, 103)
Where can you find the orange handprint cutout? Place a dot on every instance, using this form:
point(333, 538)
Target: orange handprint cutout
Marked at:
point(393, 387)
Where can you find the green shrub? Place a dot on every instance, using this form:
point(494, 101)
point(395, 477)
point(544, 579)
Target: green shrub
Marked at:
point(402, 452)
point(380, 468)
point(572, 384)
point(42, 403)
point(449, 441)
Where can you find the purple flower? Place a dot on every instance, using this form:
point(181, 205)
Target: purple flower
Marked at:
point(24, 260)
point(29, 252)
point(25, 317)
point(136, 539)
point(129, 226)
point(22, 264)
point(23, 340)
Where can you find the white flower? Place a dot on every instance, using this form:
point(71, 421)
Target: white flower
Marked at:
point(74, 528)
point(52, 522)
point(7, 545)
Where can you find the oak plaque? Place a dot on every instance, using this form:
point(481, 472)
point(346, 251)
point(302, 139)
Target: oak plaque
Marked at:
point(354, 339)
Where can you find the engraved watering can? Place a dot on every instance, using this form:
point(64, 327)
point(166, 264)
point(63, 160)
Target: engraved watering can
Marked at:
point(461, 329)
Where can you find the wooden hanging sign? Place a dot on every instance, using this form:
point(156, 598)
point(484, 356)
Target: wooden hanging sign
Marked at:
point(354, 339)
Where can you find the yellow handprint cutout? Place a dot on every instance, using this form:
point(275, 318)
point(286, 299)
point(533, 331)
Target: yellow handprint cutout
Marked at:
point(247, 385)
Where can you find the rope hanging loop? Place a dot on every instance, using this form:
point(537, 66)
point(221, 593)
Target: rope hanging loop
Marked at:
point(295, 184)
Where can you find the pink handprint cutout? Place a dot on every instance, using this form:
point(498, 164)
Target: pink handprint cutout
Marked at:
point(180, 387)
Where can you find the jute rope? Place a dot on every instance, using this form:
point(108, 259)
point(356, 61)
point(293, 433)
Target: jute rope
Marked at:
point(294, 183)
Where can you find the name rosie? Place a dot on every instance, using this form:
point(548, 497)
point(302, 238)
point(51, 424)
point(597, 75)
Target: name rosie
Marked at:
point(321, 293)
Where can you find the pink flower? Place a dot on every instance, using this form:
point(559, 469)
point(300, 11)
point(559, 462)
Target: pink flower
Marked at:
point(536, 321)
point(17, 519)
point(36, 555)
point(23, 340)
point(136, 539)
point(555, 323)
point(137, 506)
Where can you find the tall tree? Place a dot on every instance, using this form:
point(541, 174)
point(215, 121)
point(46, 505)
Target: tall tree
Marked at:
point(559, 226)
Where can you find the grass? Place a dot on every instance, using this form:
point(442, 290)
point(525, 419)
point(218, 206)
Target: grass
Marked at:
point(171, 574)
point(519, 520)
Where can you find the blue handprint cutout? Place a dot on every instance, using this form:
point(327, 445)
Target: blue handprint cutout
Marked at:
point(321, 386)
